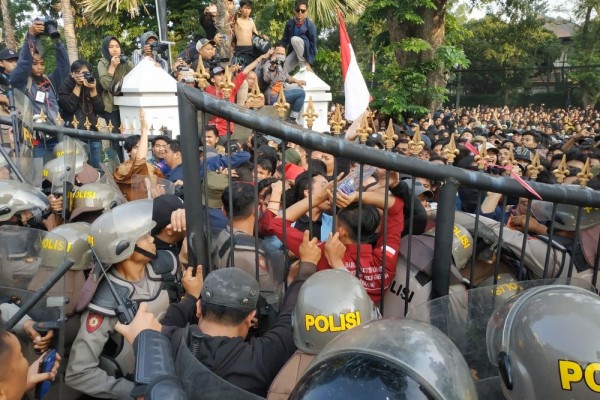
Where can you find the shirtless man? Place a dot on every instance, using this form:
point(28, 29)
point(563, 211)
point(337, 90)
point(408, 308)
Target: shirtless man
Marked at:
point(244, 29)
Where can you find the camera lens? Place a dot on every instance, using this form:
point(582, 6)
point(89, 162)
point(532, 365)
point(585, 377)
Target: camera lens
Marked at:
point(88, 77)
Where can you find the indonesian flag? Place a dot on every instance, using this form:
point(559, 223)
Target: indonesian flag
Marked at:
point(355, 88)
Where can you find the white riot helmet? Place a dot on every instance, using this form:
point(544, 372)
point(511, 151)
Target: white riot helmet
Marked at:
point(78, 249)
point(113, 234)
point(388, 358)
point(17, 197)
point(402, 296)
point(544, 343)
point(330, 302)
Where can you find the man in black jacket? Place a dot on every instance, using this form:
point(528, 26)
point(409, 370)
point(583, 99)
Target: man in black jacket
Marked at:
point(228, 306)
point(80, 101)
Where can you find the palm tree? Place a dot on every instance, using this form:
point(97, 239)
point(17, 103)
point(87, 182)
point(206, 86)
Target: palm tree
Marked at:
point(69, 26)
point(9, 32)
point(99, 12)
point(323, 12)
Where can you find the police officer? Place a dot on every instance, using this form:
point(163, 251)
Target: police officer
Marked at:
point(329, 303)
point(22, 204)
point(530, 338)
point(91, 200)
point(394, 358)
point(100, 361)
point(418, 290)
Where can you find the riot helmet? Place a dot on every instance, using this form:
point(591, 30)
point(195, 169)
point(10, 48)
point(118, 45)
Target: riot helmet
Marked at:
point(462, 245)
point(404, 296)
point(59, 170)
point(388, 358)
point(565, 218)
point(531, 338)
point(69, 146)
point(114, 234)
point(78, 249)
point(330, 302)
point(17, 198)
point(94, 197)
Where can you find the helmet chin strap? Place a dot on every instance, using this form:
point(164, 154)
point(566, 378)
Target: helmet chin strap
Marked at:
point(143, 252)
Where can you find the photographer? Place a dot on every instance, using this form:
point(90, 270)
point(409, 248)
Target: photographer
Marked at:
point(278, 79)
point(152, 48)
point(112, 68)
point(30, 78)
point(78, 97)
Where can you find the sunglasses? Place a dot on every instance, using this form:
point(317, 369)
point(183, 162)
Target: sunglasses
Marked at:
point(301, 10)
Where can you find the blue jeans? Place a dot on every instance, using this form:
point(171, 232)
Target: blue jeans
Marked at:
point(294, 96)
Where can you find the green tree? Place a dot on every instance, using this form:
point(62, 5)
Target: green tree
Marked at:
point(585, 52)
point(506, 55)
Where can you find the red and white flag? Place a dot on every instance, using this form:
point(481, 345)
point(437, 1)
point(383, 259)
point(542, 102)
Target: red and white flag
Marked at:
point(355, 88)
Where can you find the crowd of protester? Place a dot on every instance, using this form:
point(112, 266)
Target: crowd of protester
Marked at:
point(133, 214)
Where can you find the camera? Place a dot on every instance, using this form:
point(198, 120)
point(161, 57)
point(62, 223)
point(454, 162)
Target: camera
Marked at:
point(279, 60)
point(216, 61)
point(87, 75)
point(159, 47)
point(181, 68)
point(50, 27)
point(123, 59)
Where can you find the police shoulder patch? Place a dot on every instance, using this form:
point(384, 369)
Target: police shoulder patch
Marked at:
point(93, 322)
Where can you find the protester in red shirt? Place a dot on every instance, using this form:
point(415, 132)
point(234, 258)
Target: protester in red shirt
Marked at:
point(217, 78)
point(346, 232)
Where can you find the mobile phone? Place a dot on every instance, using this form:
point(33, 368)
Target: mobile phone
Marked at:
point(46, 364)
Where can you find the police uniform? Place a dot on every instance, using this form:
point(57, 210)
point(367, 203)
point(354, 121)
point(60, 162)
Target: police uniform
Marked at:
point(101, 360)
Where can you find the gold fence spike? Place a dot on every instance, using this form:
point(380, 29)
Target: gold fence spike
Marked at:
point(535, 167)
point(415, 144)
point(281, 105)
point(151, 130)
point(364, 130)
point(110, 127)
point(59, 121)
point(562, 171)
point(255, 97)
point(227, 85)
point(75, 122)
point(390, 137)
point(202, 76)
point(122, 128)
point(586, 174)
point(450, 151)
point(482, 158)
point(98, 125)
point(337, 122)
point(87, 124)
point(310, 115)
point(43, 117)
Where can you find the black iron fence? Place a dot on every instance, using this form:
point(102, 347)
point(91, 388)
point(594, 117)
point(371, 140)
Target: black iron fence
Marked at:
point(195, 106)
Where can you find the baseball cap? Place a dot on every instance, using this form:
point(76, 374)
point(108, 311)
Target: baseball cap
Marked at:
point(269, 138)
point(203, 42)
point(216, 184)
point(420, 189)
point(292, 171)
point(162, 208)
point(232, 288)
point(8, 54)
point(216, 71)
point(522, 153)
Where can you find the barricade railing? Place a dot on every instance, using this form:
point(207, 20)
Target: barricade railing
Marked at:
point(194, 105)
